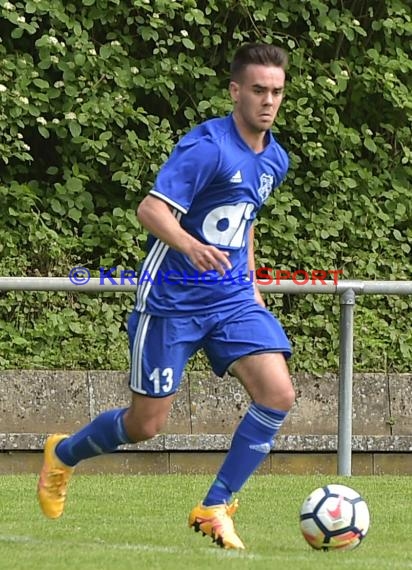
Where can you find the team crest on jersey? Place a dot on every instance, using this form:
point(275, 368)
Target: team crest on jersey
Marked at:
point(265, 188)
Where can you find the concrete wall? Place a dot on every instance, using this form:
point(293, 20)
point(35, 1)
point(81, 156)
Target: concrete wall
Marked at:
point(206, 409)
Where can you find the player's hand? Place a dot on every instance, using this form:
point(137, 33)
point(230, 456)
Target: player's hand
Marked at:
point(209, 257)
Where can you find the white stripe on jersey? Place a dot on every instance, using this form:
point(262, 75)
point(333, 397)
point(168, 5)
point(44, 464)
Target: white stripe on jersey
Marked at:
point(150, 267)
point(136, 372)
point(168, 200)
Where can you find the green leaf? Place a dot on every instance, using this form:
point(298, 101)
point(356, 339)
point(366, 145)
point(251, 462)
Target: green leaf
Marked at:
point(118, 212)
point(187, 42)
point(282, 17)
point(30, 8)
point(19, 341)
point(105, 51)
point(105, 136)
point(74, 184)
point(71, 90)
point(350, 182)
point(44, 132)
point(400, 209)
point(74, 326)
point(203, 105)
point(79, 59)
point(57, 207)
point(41, 83)
point(75, 129)
point(74, 214)
point(370, 145)
point(17, 33)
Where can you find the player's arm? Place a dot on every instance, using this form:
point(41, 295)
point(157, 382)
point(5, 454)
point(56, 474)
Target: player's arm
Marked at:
point(252, 266)
point(156, 216)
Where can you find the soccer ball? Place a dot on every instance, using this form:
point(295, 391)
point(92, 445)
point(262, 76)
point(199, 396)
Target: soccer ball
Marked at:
point(334, 517)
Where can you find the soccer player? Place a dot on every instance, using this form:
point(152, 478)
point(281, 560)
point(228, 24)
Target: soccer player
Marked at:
point(195, 292)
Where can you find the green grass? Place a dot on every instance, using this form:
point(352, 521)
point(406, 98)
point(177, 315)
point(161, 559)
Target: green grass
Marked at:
point(139, 522)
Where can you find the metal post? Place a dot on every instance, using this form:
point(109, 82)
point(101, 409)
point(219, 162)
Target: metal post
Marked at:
point(347, 305)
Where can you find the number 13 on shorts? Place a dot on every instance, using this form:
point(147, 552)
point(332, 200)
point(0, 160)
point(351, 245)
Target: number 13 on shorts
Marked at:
point(162, 380)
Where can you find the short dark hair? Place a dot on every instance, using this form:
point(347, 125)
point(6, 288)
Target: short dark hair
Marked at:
point(258, 54)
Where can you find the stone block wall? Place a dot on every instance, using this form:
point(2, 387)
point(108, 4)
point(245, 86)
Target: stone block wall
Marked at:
point(205, 411)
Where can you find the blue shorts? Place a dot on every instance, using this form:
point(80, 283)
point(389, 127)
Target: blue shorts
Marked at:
point(161, 346)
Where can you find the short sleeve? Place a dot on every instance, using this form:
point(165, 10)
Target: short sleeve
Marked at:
point(191, 167)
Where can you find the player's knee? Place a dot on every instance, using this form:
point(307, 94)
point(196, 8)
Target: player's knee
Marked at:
point(284, 399)
point(285, 393)
point(281, 399)
point(288, 398)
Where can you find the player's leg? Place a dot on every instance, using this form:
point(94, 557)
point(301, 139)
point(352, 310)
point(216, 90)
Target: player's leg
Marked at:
point(142, 420)
point(156, 369)
point(266, 378)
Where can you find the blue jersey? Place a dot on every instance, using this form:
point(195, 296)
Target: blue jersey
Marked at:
point(215, 184)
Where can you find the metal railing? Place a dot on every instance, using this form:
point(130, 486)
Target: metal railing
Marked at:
point(346, 289)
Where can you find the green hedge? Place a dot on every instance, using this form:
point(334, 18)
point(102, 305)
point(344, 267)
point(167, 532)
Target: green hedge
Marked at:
point(95, 93)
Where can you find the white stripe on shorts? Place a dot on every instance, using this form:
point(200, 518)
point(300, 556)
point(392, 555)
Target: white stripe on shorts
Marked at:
point(136, 372)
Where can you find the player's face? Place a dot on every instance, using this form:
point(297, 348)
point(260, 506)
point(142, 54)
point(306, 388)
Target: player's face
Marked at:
point(257, 97)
